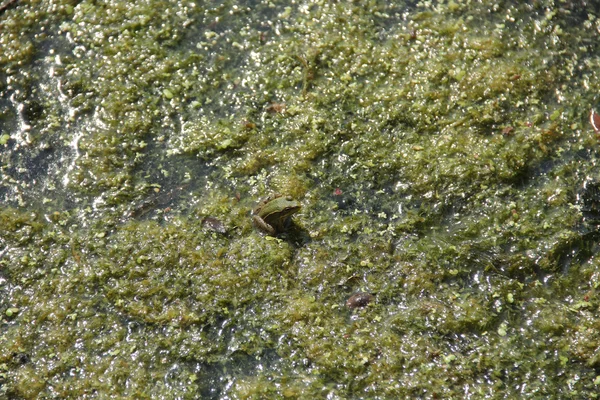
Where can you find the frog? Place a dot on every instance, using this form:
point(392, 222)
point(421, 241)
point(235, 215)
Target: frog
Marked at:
point(272, 214)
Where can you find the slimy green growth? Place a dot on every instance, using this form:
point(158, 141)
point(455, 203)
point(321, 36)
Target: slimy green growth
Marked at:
point(438, 154)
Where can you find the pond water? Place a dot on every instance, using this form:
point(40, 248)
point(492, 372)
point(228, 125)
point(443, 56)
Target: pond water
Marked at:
point(441, 151)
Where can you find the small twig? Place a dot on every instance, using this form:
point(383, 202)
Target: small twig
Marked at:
point(6, 5)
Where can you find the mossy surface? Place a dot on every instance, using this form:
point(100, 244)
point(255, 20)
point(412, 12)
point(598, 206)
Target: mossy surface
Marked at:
point(441, 152)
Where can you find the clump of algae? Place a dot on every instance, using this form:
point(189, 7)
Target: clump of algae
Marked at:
point(440, 154)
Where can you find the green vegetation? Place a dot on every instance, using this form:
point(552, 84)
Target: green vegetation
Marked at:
point(440, 151)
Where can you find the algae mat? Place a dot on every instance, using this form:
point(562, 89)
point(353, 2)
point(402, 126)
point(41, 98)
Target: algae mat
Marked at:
point(441, 151)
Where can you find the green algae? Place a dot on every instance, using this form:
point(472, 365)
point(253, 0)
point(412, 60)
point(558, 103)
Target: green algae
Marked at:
point(441, 153)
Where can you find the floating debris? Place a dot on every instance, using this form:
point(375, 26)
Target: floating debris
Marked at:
point(157, 200)
point(276, 108)
point(360, 299)
point(214, 224)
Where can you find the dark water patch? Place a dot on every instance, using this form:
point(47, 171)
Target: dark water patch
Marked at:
point(165, 199)
point(572, 251)
point(589, 201)
point(216, 378)
point(7, 4)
